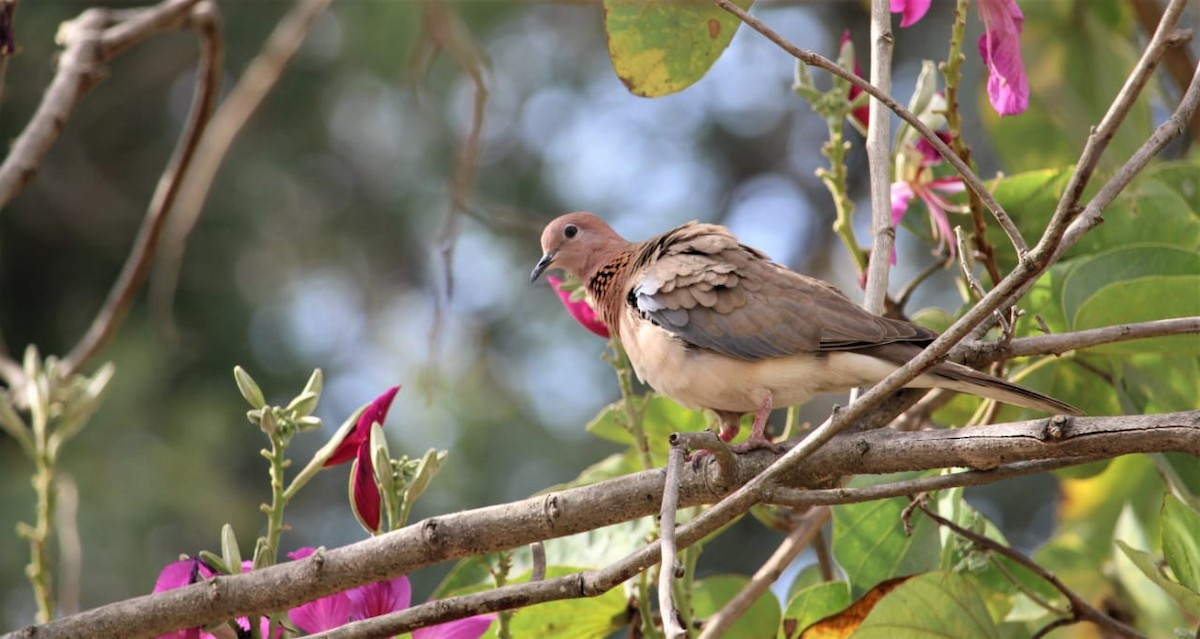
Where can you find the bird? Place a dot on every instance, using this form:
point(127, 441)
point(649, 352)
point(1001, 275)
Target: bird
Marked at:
point(715, 324)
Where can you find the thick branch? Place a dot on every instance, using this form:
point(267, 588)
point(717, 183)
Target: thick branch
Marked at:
point(577, 510)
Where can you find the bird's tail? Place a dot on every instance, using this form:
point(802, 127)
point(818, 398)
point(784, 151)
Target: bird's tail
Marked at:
point(968, 380)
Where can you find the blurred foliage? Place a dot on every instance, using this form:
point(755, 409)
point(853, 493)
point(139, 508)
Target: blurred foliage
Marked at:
point(315, 249)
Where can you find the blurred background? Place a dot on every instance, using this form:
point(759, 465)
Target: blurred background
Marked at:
point(319, 247)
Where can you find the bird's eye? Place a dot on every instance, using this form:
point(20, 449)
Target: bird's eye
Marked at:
point(570, 231)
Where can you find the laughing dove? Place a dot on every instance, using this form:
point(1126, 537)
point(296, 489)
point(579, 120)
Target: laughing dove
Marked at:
point(715, 324)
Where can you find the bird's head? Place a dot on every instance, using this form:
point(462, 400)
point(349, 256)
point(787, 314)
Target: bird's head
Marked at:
point(578, 243)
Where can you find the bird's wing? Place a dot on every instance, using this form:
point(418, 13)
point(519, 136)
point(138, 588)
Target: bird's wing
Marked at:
point(698, 283)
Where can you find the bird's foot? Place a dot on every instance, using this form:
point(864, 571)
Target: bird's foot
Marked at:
point(758, 443)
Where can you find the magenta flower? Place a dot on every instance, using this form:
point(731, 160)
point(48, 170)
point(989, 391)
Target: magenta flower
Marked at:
point(366, 500)
point(376, 413)
point(373, 600)
point(189, 571)
point(581, 310)
point(862, 114)
point(912, 10)
point(920, 182)
point(999, 46)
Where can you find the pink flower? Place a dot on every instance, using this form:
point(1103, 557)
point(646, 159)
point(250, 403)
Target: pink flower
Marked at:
point(861, 114)
point(999, 46)
point(929, 190)
point(189, 571)
point(373, 600)
point(581, 310)
point(376, 413)
point(365, 492)
point(911, 10)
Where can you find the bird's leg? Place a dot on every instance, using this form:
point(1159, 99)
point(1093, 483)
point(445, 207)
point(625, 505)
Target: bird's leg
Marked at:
point(758, 437)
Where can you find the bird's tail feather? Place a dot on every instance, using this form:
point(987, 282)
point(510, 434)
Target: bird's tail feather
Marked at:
point(968, 380)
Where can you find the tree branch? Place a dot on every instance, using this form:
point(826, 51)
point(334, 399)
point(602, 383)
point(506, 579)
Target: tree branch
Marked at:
point(883, 232)
point(982, 352)
point(567, 512)
point(89, 41)
point(206, 21)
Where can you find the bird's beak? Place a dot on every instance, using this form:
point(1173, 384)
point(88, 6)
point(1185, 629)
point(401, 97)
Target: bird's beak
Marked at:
point(542, 265)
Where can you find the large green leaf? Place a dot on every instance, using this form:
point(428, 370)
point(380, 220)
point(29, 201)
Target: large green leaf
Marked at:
point(711, 593)
point(659, 47)
point(1181, 541)
point(1148, 565)
point(933, 605)
point(816, 602)
point(1134, 283)
point(870, 545)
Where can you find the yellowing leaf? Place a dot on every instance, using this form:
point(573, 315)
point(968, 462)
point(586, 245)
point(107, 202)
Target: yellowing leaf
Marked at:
point(659, 47)
point(844, 623)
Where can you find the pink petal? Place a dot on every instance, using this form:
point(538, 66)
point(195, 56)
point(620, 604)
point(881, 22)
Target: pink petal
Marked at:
point(952, 184)
point(1000, 47)
point(937, 213)
point(375, 413)
point(862, 113)
point(323, 614)
point(469, 628)
point(902, 194)
point(912, 10)
point(380, 598)
point(303, 552)
point(930, 155)
point(184, 572)
point(366, 492)
point(579, 309)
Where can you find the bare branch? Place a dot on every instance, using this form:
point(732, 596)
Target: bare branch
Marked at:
point(567, 512)
point(208, 82)
point(981, 352)
point(883, 232)
point(1103, 133)
point(79, 69)
point(666, 566)
point(808, 57)
point(243, 100)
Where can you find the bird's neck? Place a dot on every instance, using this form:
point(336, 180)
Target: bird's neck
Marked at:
point(603, 278)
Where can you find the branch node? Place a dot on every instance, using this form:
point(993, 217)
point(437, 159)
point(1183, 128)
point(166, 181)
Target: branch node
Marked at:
point(1056, 428)
point(430, 535)
point(550, 509)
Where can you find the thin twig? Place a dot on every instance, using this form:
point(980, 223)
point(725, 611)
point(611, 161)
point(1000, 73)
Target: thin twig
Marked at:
point(1178, 60)
point(206, 22)
point(906, 293)
point(801, 536)
point(538, 549)
point(669, 561)
point(813, 59)
point(444, 30)
point(234, 112)
point(1058, 343)
point(883, 232)
point(1103, 133)
point(707, 440)
point(1079, 606)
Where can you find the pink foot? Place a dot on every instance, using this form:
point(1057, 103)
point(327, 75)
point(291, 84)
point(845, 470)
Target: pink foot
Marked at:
point(758, 437)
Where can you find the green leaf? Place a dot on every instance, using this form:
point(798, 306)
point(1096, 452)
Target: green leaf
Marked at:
point(659, 47)
point(761, 620)
point(870, 545)
point(934, 605)
point(661, 416)
point(1148, 564)
point(814, 603)
point(1142, 263)
point(586, 618)
point(1181, 541)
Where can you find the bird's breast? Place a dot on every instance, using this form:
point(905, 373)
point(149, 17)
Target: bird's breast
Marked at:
point(699, 378)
